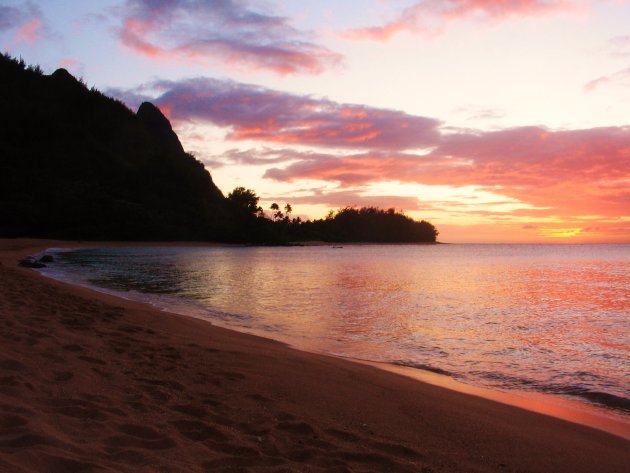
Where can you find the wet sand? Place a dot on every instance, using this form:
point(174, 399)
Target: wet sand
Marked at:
point(89, 382)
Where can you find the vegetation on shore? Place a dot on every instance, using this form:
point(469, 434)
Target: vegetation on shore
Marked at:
point(77, 164)
point(349, 224)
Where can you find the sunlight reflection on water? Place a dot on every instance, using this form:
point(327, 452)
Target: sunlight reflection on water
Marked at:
point(546, 318)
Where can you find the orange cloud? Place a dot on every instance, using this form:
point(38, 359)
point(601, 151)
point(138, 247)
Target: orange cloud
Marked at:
point(578, 172)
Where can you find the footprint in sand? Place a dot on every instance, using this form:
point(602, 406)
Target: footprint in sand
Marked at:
point(191, 409)
point(11, 421)
point(73, 348)
point(78, 409)
point(60, 376)
point(11, 365)
point(199, 431)
point(139, 436)
point(91, 359)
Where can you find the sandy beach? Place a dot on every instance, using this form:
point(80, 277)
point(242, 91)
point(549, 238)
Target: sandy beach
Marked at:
point(93, 383)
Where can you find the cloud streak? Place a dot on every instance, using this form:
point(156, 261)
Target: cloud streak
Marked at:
point(228, 31)
point(430, 16)
point(621, 78)
point(356, 198)
point(356, 169)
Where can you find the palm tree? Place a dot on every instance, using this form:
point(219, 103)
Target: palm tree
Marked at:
point(276, 211)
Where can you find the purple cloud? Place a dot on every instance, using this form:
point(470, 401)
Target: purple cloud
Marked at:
point(14, 17)
point(26, 22)
point(257, 113)
point(227, 30)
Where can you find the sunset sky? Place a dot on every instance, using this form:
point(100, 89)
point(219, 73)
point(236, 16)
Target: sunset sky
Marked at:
point(498, 121)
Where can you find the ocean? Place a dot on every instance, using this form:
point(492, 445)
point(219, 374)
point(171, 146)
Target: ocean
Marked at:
point(551, 319)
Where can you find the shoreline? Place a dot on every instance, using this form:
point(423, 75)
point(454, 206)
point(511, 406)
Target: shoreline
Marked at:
point(559, 407)
point(572, 410)
point(322, 399)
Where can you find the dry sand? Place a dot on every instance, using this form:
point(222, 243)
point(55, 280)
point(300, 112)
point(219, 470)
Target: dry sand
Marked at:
point(89, 383)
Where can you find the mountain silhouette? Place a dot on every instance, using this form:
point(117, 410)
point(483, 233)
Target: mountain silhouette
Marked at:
point(77, 164)
point(159, 125)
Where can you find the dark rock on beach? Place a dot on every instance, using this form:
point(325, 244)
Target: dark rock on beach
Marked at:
point(30, 262)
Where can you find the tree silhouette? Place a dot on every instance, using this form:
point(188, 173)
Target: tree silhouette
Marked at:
point(276, 213)
point(287, 211)
point(245, 201)
point(370, 224)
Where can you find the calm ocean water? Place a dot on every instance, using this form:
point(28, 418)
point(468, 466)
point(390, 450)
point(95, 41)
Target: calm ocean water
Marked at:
point(542, 318)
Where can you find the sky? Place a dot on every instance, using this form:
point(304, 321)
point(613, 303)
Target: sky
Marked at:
point(495, 120)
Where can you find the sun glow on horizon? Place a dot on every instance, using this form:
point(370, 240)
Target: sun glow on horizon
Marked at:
point(560, 232)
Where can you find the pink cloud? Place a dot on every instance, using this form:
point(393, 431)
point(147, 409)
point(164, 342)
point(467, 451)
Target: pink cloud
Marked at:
point(575, 172)
point(430, 16)
point(353, 170)
point(228, 31)
point(621, 77)
point(67, 62)
point(29, 32)
point(595, 83)
point(257, 113)
point(133, 33)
